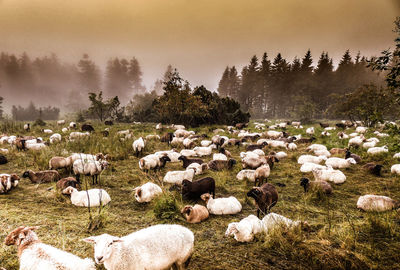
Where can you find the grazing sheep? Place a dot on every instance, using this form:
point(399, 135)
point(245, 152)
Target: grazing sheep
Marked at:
point(96, 196)
point(342, 135)
point(67, 182)
point(27, 127)
point(60, 162)
point(368, 145)
point(265, 196)
point(373, 168)
point(146, 192)
point(188, 153)
point(329, 174)
point(188, 143)
point(252, 147)
point(193, 190)
point(187, 161)
point(356, 141)
point(245, 230)
point(310, 159)
point(233, 141)
point(138, 146)
point(35, 146)
point(395, 169)
point(42, 176)
point(195, 214)
point(167, 137)
point(156, 247)
point(272, 134)
point(315, 185)
point(87, 127)
point(340, 163)
point(308, 167)
point(7, 182)
point(34, 255)
point(378, 150)
point(310, 131)
point(153, 162)
point(199, 168)
point(78, 135)
point(89, 167)
point(47, 131)
point(357, 158)
point(246, 174)
point(55, 138)
point(219, 165)
point(176, 177)
point(222, 206)
point(261, 174)
point(361, 130)
point(72, 125)
point(3, 160)
point(152, 137)
point(377, 203)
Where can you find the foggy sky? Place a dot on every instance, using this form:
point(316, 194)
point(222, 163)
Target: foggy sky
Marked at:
point(199, 37)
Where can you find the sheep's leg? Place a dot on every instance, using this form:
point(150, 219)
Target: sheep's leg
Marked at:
point(258, 212)
point(78, 178)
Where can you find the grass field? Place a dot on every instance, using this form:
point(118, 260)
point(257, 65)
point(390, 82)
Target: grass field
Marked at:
point(340, 236)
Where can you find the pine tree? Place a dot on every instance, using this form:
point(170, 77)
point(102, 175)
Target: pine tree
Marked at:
point(234, 83)
point(118, 83)
point(135, 76)
point(89, 76)
point(223, 86)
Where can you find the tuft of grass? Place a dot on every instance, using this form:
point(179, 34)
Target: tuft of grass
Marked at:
point(166, 207)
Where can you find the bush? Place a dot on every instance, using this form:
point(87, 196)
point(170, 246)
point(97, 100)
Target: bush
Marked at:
point(39, 122)
point(166, 207)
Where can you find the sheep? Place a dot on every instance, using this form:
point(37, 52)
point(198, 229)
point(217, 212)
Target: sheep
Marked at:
point(3, 160)
point(253, 163)
point(89, 157)
point(195, 214)
point(250, 154)
point(153, 162)
point(357, 158)
point(336, 151)
point(205, 143)
point(311, 159)
point(89, 167)
point(377, 150)
point(308, 167)
point(219, 140)
point(4, 150)
point(203, 151)
point(234, 141)
point(219, 165)
point(342, 135)
point(188, 153)
point(47, 131)
point(246, 174)
point(354, 135)
point(261, 174)
point(187, 161)
point(219, 156)
point(368, 145)
point(252, 147)
point(152, 137)
point(167, 137)
point(340, 163)
point(376, 203)
point(27, 127)
point(265, 196)
point(373, 168)
point(314, 147)
point(323, 125)
point(259, 152)
point(60, 122)
point(296, 124)
point(199, 168)
point(310, 131)
point(356, 141)
point(67, 182)
point(182, 133)
point(188, 143)
point(273, 220)
point(305, 140)
point(8, 181)
point(325, 153)
point(60, 162)
point(35, 146)
point(138, 146)
point(228, 154)
point(146, 192)
point(193, 190)
point(277, 144)
point(329, 174)
point(156, 247)
point(382, 135)
point(222, 206)
point(324, 186)
point(34, 255)
point(272, 134)
point(292, 147)
point(78, 135)
point(395, 169)
point(42, 176)
point(88, 198)
point(176, 141)
point(72, 125)
point(176, 127)
point(64, 130)
point(245, 230)
point(325, 134)
point(176, 177)
point(397, 155)
point(361, 130)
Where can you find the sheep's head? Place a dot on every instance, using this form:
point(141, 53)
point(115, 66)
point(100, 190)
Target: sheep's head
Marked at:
point(351, 161)
point(14, 179)
point(304, 182)
point(138, 193)
point(187, 210)
point(231, 162)
point(103, 246)
point(25, 174)
point(182, 157)
point(255, 192)
point(17, 236)
point(69, 190)
point(205, 197)
point(232, 229)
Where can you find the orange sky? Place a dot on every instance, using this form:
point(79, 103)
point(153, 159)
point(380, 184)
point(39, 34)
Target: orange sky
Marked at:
point(199, 37)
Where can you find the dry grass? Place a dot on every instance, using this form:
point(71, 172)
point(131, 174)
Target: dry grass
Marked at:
point(340, 236)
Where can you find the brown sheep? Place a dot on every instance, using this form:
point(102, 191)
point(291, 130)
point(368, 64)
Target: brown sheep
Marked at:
point(373, 168)
point(305, 140)
point(271, 159)
point(222, 150)
point(67, 182)
point(336, 151)
point(20, 144)
point(357, 158)
point(167, 137)
point(195, 214)
point(187, 161)
point(236, 142)
point(253, 163)
point(219, 165)
point(60, 162)
point(315, 185)
point(261, 174)
point(265, 196)
point(252, 147)
point(42, 176)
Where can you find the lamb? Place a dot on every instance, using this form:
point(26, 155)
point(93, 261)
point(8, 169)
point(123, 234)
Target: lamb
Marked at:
point(246, 174)
point(340, 163)
point(308, 167)
point(395, 169)
point(146, 192)
point(373, 168)
point(7, 182)
point(153, 162)
point(67, 182)
point(138, 146)
point(311, 159)
point(64, 130)
point(195, 214)
point(187, 161)
point(342, 135)
point(27, 127)
point(329, 174)
point(203, 151)
point(89, 167)
point(56, 137)
point(60, 162)
point(96, 196)
point(377, 203)
point(219, 165)
point(357, 158)
point(265, 196)
point(315, 185)
point(272, 221)
point(42, 176)
point(245, 230)
point(378, 150)
point(261, 174)
point(222, 206)
point(72, 125)
point(199, 168)
point(156, 247)
point(176, 177)
point(193, 190)
point(34, 255)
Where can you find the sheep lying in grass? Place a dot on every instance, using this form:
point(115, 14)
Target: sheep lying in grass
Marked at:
point(373, 168)
point(219, 165)
point(146, 192)
point(42, 176)
point(310, 159)
point(368, 145)
point(156, 247)
point(310, 131)
point(356, 141)
point(97, 197)
point(340, 163)
point(357, 158)
point(153, 162)
point(273, 221)
point(222, 206)
point(323, 186)
point(219, 156)
point(55, 138)
point(322, 153)
point(329, 174)
point(397, 155)
point(188, 153)
point(253, 163)
point(378, 150)
point(176, 177)
point(245, 230)
point(261, 174)
point(377, 203)
point(187, 161)
point(34, 255)
point(195, 214)
point(35, 146)
point(246, 174)
point(67, 182)
point(138, 146)
point(78, 135)
point(395, 169)
point(265, 196)
point(292, 147)
point(198, 168)
point(308, 167)
point(7, 182)
point(315, 147)
point(203, 151)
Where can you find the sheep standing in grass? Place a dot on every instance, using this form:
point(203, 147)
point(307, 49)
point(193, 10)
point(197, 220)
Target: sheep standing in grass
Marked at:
point(222, 206)
point(138, 146)
point(89, 167)
point(315, 185)
point(245, 230)
point(219, 165)
point(198, 168)
point(340, 163)
point(329, 174)
point(195, 214)
point(377, 203)
point(60, 162)
point(292, 147)
point(42, 176)
point(246, 174)
point(96, 196)
point(146, 192)
point(34, 255)
point(193, 190)
point(261, 173)
point(356, 141)
point(265, 196)
point(153, 248)
point(153, 162)
point(56, 137)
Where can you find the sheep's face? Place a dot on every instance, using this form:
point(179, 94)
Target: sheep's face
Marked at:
point(103, 246)
point(187, 210)
point(17, 236)
point(351, 161)
point(14, 179)
point(304, 183)
point(138, 194)
point(26, 174)
point(69, 190)
point(254, 193)
point(232, 229)
point(205, 197)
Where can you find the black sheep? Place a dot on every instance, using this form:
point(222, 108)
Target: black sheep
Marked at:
point(252, 147)
point(187, 161)
point(87, 127)
point(193, 190)
point(265, 196)
point(3, 159)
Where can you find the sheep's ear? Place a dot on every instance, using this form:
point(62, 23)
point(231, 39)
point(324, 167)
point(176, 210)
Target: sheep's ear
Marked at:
point(90, 240)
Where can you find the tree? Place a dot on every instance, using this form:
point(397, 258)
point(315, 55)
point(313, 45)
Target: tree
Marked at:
point(117, 79)
point(223, 86)
point(135, 76)
point(89, 76)
point(98, 107)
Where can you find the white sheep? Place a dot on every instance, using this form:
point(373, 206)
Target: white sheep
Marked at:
point(188, 153)
point(222, 206)
point(64, 130)
point(397, 155)
point(146, 192)
point(89, 167)
point(72, 125)
point(78, 135)
point(249, 154)
point(156, 247)
point(152, 137)
point(219, 156)
point(35, 146)
point(310, 131)
point(273, 221)
point(47, 131)
point(361, 130)
point(356, 141)
point(322, 153)
point(376, 203)
point(354, 134)
point(4, 150)
point(281, 155)
point(273, 134)
point(203, 151)
point(176, 141)
point(368, 145)
point(377, 150)
point(56, 137)
point(246, 174)
point(138, 146)
point(245, 230)
point(199, 168)
point(309, 158)
point(308, 167)
point(340, 163)
point(395, 169)
point(60, 122)
point(329, 174)
point(277, 144)
point(314, 147)
point(97, 197)
point(292, 146)
point(205, 143)
point(176, 177)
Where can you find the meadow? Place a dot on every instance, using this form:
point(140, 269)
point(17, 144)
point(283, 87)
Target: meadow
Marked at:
point(340, 236)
